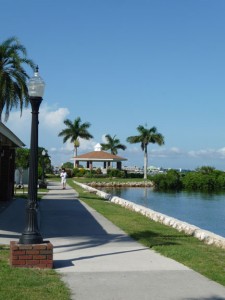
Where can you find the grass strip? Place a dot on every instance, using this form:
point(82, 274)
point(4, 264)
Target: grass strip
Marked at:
point(206, 260)
point(29, 284)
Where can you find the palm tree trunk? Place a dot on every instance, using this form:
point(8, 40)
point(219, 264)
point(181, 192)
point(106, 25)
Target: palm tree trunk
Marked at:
point(145, 161)
point(75, 154)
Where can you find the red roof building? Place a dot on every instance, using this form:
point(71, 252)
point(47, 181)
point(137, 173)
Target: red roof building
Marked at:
point(100, 156)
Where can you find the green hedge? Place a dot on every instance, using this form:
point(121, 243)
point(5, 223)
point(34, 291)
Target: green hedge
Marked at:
point(202, 179)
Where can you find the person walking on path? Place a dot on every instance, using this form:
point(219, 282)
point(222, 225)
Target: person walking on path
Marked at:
point(63, 176)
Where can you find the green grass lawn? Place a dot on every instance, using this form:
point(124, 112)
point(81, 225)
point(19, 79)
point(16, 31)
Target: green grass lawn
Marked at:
point(205, 259)
point(29, 284)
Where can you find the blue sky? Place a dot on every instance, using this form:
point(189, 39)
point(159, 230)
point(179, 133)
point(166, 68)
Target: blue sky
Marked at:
point(122, 63)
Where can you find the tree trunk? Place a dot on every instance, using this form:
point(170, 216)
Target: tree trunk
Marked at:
point(74, 160)
point(145, 161)
point(75, 154)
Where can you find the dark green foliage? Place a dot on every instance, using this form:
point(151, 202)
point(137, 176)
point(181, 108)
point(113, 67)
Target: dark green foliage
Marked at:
point(81, 172)
point(168, 181)
point(97, 173)
point(67, 165)
point(145, 137)
point(78, 172)
point(13, 76)
point(112, 144)
point(205, 179)
point(75, 130)
point(116, 173)
point(134, 175)
point(22, 158)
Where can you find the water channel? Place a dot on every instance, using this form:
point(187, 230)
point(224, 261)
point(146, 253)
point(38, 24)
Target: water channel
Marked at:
point(206, 211)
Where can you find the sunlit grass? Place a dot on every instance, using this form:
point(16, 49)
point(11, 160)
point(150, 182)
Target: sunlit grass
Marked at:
point(29, 284)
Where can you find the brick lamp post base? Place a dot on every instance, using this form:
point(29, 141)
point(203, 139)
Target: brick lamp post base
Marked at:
point(38, 256)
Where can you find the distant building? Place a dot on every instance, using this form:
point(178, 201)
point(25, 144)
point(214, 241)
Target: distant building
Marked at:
point(8, 143)
point(99, 156)
point(133, 169)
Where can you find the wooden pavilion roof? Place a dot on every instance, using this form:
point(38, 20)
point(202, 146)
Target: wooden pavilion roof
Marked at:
point(99, 156)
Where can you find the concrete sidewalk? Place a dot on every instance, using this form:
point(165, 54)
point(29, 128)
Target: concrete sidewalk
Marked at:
point(98, 261)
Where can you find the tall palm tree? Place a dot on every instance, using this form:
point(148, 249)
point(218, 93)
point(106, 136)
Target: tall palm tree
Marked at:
point(113, 144)
point(13, 87)
point(74, 131)
point(145, 137)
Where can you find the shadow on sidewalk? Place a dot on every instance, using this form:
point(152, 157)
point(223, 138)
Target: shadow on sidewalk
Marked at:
point(12, 219)
point(70, 262)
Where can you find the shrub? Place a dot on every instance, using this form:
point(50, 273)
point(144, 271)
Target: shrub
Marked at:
point(116, 173)
point(204, 179)
point(167, 181)
point(79, 172)
point(134, 175)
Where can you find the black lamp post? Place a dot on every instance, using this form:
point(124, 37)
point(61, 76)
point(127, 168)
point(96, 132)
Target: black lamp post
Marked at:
point(31, 234)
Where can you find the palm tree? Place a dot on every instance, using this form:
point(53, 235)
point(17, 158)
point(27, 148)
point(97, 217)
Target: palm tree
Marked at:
point(113, 144)
point(145, 137)
point(74, 131)
point(13, 87)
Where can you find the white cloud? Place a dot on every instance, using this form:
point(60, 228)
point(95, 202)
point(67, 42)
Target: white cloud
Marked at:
point(104, 138)
point(50, 123)
point(221, 152)
point(175, 150)
point(204, 153)
point(86, 145)
point(208, 153)
point(53, 119)
point(134, 149)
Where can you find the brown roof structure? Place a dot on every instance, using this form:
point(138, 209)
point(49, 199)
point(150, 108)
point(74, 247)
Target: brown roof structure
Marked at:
point(99, 156)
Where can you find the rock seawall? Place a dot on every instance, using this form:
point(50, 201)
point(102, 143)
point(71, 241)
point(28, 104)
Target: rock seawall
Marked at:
point(121, 184)
point(206, 236)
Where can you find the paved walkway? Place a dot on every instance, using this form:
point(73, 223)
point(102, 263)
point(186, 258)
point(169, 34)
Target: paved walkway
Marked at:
point(98, 261)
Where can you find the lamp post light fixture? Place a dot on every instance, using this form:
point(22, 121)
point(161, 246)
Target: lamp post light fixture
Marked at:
point(43, 153)
point(31, 234)
point(43, 184)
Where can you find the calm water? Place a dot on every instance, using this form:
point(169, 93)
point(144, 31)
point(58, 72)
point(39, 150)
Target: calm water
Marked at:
point(203, 210)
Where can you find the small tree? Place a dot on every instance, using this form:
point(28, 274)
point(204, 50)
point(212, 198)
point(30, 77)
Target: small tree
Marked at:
point(22, 161)
point(112, 144)
point(13, 76)
point(74, 131)
point(145, 137)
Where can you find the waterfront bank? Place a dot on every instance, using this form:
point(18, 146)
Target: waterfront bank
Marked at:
point(189, 229)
